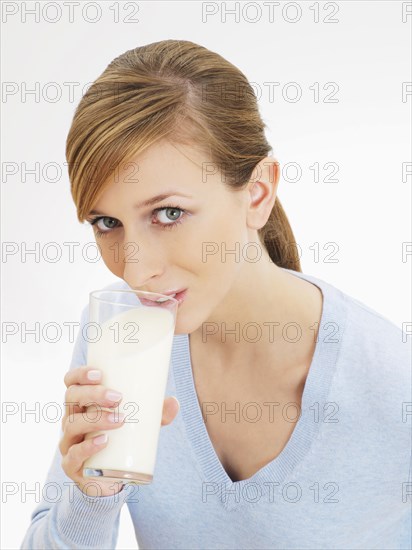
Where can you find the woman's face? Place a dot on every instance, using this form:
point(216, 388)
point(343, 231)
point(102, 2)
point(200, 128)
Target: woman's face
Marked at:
point(189, 245)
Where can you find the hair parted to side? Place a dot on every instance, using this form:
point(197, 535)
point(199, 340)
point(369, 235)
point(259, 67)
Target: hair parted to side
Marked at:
point(179, 91)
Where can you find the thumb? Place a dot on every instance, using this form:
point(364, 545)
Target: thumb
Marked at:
point(171, 407)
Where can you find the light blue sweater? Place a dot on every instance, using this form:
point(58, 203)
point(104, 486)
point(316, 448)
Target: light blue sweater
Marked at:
point(342, 481)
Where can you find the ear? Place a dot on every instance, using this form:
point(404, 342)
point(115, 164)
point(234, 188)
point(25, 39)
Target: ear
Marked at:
point(262, 189)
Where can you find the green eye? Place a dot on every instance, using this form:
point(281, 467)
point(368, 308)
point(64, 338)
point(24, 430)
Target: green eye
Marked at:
point(174, 216)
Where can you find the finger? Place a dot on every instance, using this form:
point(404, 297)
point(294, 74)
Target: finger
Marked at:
point(69, 410)
point(92, 420)
point(77, 397)
point(80, 375)
point(73, 459)
point(83, 375)
point(85, 395)
point(171, 407)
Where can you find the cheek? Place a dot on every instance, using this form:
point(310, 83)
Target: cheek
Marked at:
point(208, 239)
point(223, 245)
point(212, 246)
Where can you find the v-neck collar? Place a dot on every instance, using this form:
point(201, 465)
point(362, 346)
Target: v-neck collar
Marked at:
point(316, 389)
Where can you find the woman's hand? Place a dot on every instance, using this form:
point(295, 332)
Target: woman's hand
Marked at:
point(83, 386)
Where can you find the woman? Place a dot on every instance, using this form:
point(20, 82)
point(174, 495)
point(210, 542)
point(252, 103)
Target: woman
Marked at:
point(291, 430)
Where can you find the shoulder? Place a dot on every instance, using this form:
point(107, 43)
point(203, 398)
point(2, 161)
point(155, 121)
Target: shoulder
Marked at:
point(366, 330)
point(372, 348)
point(362, 325)
point(377, 335)
point(375, 350)
point(373, 383)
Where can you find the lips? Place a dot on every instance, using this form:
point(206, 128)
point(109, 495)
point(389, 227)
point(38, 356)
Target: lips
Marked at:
point(171, 292)
point(179, 296)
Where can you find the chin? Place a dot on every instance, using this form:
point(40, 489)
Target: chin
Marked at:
point(187, 325)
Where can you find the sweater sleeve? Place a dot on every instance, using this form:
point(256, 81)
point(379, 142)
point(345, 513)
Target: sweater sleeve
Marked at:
point(66, 517)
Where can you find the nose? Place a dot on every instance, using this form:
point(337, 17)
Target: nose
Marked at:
point(142, 263)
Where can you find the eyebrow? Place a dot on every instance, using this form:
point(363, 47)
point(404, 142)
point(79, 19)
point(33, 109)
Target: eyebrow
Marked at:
point(151, 201)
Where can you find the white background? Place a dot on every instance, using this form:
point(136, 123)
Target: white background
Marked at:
point(366, 133)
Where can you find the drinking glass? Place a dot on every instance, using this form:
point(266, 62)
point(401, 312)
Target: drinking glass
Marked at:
point(129, 338)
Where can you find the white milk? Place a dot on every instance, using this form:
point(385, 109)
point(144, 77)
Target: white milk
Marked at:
point(139, 371)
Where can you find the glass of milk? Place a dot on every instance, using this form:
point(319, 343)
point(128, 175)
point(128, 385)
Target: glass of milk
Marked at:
point(130, 337)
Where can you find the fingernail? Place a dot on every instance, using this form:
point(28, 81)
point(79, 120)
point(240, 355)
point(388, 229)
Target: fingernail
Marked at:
point(93, 375)
point(113, 395)
point(100, 439)
point(115, 417)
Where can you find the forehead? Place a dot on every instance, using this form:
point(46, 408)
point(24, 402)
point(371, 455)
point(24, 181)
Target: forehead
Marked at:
point(161, 168)
point(166, 155)
point(167, 163)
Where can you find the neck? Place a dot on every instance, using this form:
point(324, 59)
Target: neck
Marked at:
point(268, 318)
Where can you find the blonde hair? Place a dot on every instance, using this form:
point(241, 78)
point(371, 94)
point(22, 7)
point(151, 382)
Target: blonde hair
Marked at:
point(183, 92)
